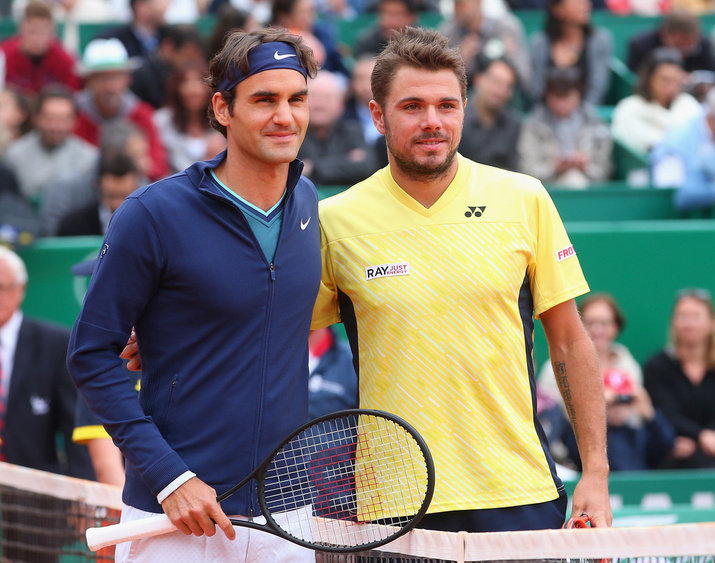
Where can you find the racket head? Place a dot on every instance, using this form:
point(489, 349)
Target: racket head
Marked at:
point(367, 475)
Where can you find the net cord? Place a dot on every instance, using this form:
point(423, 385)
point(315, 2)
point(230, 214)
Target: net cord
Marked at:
point(647, 541)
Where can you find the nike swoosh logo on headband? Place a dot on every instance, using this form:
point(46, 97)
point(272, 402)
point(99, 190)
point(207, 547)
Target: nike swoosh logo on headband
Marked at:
point(278, 57)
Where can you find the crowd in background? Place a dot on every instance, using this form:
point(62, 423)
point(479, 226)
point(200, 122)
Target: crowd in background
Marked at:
point(81, 131)
point(540, 104)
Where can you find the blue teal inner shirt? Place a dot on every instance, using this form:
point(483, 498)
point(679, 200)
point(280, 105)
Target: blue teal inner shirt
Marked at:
point(266, 225)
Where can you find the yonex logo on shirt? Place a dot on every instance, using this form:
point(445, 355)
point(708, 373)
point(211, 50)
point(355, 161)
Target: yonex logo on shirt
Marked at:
point(567, 252)
point(386, 270)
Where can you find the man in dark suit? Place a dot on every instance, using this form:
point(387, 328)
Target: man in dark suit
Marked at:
point(680, 30)
point(141, 35)
point(38, 395)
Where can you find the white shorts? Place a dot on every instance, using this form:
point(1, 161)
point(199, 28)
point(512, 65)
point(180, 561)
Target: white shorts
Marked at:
point(250, 546)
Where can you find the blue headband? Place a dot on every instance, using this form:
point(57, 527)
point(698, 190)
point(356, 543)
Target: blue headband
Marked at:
point(266, 56)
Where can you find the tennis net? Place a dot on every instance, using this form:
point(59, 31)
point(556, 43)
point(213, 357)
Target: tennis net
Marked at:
point(677, 543)
point(43, 519)
point(43, 516)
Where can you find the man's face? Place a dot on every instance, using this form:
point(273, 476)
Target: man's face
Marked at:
point(36, 34)
point(686, 43)
point(114, 190)
point(55, 121)
point(495, 86)
point(393, 15)
point(326, 102)
point(107, 88)
point(11, 293)
point(466, 11)
point(422, 121)
point(151, 12)
point(269, 118)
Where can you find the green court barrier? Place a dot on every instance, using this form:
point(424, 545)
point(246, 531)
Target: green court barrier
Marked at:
point(642, 263)
point(53, 293)
point(650, 498)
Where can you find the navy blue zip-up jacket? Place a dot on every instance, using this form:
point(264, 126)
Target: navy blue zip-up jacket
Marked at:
point(223, 334)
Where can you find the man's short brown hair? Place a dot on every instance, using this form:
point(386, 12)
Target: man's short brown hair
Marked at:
point(419, 48)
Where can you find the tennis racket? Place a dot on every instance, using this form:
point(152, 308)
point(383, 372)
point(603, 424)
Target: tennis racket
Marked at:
point(344, 482)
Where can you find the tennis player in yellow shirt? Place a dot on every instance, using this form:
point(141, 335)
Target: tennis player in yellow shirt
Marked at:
point(438, 266)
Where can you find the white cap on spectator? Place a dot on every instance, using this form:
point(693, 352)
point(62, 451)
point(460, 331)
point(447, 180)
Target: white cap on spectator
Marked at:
point(102, 55)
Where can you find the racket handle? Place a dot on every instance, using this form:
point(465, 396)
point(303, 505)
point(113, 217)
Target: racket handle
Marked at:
point(97, 538)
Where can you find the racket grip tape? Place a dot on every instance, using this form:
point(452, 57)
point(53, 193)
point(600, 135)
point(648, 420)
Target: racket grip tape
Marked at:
point(98, 538)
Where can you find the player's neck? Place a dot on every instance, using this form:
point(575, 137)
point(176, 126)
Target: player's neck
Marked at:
point(425, 190)
point(258, 183)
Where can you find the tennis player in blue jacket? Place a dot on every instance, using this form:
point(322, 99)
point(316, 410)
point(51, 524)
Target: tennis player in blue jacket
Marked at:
point(221, 261)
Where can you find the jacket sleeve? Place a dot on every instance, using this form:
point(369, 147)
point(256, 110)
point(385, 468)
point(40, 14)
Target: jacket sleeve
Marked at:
point(126, 277)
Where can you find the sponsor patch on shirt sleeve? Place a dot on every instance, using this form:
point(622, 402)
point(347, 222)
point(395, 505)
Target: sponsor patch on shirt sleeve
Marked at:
point(386, 270)
point(567, 252)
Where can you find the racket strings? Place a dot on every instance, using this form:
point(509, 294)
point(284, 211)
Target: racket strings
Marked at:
point(347, 481)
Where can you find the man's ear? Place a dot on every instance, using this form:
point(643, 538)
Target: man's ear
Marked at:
point(378, 117)
point(221, 108)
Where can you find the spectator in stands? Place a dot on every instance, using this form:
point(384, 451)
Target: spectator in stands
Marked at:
point(15, 116)
point(685, 159)
point(141, 35)
point(178, 45)
point(333, 383)
point(299, 17)
point(659, 102)
point(569, 39)
point(679, 30)
point(357, 106)
point(35, 57)
point(38, 397)
point(681, 379)
point(334, 151)
point(491, 127)
point(639, 437)
point(562, 141)
point(50, 149)
point(184, 123)
point(227, 20)
point(118, 178)
point(475, 33)
point(107, 97)
point(73, 190)
point(699, 83)
point(392, 15)
point(604, 321)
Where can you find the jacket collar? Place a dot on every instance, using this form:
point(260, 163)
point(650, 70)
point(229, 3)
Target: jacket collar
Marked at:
point(200, 175)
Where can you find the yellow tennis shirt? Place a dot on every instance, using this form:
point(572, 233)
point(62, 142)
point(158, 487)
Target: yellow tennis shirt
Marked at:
point(439, 305)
